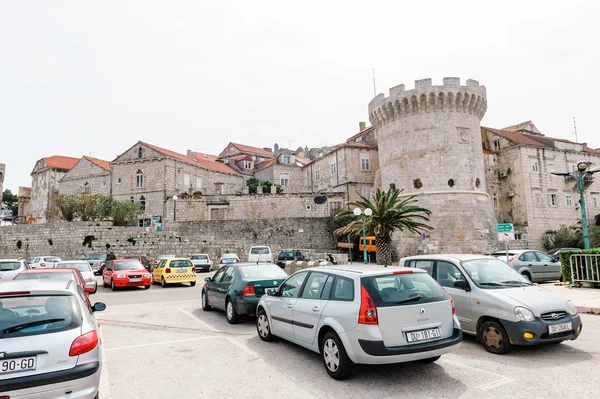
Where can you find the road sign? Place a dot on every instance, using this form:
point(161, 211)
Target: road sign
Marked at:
point(505, 231)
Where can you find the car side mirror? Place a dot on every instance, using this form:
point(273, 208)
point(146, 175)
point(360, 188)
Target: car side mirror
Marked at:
point(99, 307)
point(461, 284)
point(208, 279)
point(554, 258)
point(89, 290)
point(272, 292)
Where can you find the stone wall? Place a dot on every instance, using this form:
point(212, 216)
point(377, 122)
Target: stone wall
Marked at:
point(213, 237)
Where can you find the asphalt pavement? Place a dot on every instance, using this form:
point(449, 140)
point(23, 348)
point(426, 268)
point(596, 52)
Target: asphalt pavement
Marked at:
point(159, 343)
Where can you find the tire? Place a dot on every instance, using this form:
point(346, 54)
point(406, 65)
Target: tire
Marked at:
point(335, 359)
point(494, 338)
point(527, 276)
point(232, 315)
point(147, 287)
point(205, 306)
point(163, 283)
point(192, 283)
point(431, 359)
point(263, 327)
point(95, 290)
point(112, 285)
point(104, 283)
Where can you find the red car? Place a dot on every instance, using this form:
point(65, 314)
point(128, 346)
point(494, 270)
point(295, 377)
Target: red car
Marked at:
point(125, 273)
point(55, 274)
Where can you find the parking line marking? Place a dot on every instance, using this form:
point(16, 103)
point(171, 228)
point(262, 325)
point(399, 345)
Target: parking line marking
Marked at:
point(472, 368)
point(174, 341)
point(495, 384)
point(185, 312)
point(104, 386)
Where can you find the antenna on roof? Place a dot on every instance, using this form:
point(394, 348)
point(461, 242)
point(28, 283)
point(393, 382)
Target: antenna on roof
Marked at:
point(90, 153)
point(575, 130)
point(374, 88)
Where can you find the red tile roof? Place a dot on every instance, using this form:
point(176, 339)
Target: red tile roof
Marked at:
point(518, 138)
point(61, 162)
point(203, 163)
point(241, 157)
point(266, 164)
point(201, 155)
point(253, 150)
point(99, 162)
point(357, 135)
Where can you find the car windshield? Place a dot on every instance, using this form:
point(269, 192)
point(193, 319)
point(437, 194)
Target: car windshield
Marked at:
point(262, 271)
point(131, 257)
point(286, 255)
point(199, 257)
point(259, 250)
point(229, 256)
point(403, 289)
point(81, 266)
point(493, 273)
point(52, 259)
point(95, 257)
point(66, 275)
point(27, 315)
point(8, 266)
point(129, 265)
point(181, 263)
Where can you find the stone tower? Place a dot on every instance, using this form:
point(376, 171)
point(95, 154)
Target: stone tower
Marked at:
point(429, 143)
point(2, 172)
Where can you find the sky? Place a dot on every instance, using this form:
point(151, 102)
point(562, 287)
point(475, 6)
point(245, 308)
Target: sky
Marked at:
point(94, 77)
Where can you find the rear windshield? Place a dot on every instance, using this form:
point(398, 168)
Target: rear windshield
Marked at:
point(230, 256)
point(131, 257)
point(81, 266)
point(396, 289)
point(260, 251)
point(503, 254)
point(8, 266)
point(38, 314)
point(96, 257)
point(52, 259)
point(165, 257)
point(46, 276)
point(129, 265)
point(199, 257)
point(286, 255)
point(262, 271)
point(181, 263)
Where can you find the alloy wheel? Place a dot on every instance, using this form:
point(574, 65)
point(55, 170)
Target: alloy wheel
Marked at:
point(331, 355)
point(263, 325)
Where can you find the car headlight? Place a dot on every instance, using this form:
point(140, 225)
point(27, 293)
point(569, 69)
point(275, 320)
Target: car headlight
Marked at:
point(120, 276)
point(572, 308)
point(90, 280)
point(147, 275)
point(524, 314)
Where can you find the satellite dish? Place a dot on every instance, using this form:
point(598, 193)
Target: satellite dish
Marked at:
point(320, 199)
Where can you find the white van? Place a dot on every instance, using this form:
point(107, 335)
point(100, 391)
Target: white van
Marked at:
point(260, 253)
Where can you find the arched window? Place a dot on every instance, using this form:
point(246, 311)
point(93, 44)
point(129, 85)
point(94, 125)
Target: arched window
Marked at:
point(86, 188)
point(140, 152)
point(139, 179)
point(143, 203)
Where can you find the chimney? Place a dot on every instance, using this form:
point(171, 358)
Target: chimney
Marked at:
point(362, 126)
point(189, 153)
point(276, 149)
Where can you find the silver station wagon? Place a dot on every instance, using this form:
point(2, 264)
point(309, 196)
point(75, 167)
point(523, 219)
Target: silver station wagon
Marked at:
point(361, 314)
point(497, 304)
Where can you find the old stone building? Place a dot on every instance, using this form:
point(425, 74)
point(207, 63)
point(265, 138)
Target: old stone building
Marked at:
point(2, 173)
point(285, 169)
point(243, 158)
point(25, 206)
point(430, 146)
point(88, 176)
point(519, 162)
point(45, 183)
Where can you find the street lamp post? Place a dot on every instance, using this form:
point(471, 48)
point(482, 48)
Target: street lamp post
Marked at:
point(579, 176)
point(175, 207)
point(363, 215)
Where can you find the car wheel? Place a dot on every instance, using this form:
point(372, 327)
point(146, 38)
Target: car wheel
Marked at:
point(263, 327)
point(431, 359)
point(192, 283)
point(112, 284)
point(527, 276)
point(95, 289)
point(147, 287)
point(494, 338)
point(205, 306)
point(232, 315)
point(336, 360)
point(104, 283)
point(163, 283)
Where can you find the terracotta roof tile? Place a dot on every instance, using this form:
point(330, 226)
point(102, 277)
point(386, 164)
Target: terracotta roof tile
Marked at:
point(99, 162)
point(253, 150)
point(518, 138)
point(201, 155)
point(61, 162)
point(203, 163)
point(266, 164)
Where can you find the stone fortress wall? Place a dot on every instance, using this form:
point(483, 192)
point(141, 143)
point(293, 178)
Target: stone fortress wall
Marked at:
point(430, 146)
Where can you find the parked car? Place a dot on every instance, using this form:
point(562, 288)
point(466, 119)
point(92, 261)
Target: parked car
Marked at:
point(201, 262)
point(142, 259)
point(9, 268)
point(44, 261)
point(499, 306)
point(55, 274)
point(535, 266)
point(236, 288)
point(289, 255)
point(126, 273)
point(85, 269)
point(361, 314)
point(260, 253)
point(50, 340)
point(173, 271)
point(162, 257)
point(98, 260)
point(228, 259)
point(556, 252)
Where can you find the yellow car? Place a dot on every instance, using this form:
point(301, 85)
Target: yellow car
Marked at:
point(176, 270)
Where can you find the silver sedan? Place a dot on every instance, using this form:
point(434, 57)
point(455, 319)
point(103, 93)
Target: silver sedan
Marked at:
point(85, 269)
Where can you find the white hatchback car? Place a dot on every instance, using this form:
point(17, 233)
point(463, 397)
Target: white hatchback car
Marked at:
point(44, 261)
point(9, 268)
point(49, 341)
point(361, 314)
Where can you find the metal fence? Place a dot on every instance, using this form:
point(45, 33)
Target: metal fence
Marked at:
point(585, 268)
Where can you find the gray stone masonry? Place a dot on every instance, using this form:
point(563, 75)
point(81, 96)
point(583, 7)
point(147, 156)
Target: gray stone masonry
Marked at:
point(97, 178)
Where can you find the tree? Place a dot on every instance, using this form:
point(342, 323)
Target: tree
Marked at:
point(11, 200)
point(253, 183)
point(390, 213)
point(66, 206)
point(123, 212)
point(88, 206)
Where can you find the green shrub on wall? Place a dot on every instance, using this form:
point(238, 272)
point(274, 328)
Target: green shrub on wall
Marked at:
point(565, 265)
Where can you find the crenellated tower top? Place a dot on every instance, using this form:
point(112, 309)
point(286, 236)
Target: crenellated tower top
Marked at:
point(426, 98)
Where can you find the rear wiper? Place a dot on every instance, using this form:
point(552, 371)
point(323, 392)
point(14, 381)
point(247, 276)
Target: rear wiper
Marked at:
point(492, 284)
point(411, 299)
point(19, 327)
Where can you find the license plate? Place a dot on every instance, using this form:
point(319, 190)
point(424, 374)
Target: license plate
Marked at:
point(181, 270)
point(135, 280)
point(423, 335)
point(16, 365)
point(558, 328)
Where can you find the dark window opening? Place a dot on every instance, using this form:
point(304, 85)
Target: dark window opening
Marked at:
point(477, 182)
point(143, 203)
point(417, 183)
point(140, 152)
point(392, 186)
point(451, 182)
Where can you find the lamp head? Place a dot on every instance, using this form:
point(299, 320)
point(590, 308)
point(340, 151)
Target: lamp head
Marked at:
point(582, 166)
point(368, 211)
point(175, 198)
point(357, 211)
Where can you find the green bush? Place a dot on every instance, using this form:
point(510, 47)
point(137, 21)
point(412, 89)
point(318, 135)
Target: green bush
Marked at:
point(565, 265)
point(66, 205)
point(565, 237)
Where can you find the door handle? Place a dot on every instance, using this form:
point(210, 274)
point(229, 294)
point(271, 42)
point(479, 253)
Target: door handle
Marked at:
point(290, 305)
point(545, 265)
point(315, 308)
point(530, 265)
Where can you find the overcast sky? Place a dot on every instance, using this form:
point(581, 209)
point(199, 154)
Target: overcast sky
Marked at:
point(94, 77)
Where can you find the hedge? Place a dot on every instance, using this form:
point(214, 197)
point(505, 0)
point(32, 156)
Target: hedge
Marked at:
point(565, 266)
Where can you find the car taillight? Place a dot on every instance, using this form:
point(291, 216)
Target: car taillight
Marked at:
point(42, 265)
point(368, 312)
point(193, 270)
point(84, 343)
point(220, 260)
point(450, 297)
point(513, 258)
point(237, 261)
point(168, 270)
point(191, 258)
point(249, 291)
point(403, 271)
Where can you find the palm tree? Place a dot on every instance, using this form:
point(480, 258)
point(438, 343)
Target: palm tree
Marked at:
point(390, 213)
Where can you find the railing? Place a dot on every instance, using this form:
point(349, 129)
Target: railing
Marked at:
point(585, 268)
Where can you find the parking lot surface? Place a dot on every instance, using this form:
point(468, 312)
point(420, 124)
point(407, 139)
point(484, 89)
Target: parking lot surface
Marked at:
point(159, 343)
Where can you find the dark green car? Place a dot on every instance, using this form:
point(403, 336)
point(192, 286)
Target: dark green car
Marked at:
point(237, 288)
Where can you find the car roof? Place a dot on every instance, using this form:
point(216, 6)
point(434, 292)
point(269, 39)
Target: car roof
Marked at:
point(11, 260)
point(251, 264)
point(37, 286)
point(51, 270)
point(180, 258)
point(456, 257)
point(365, 270)
point(73, 261)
